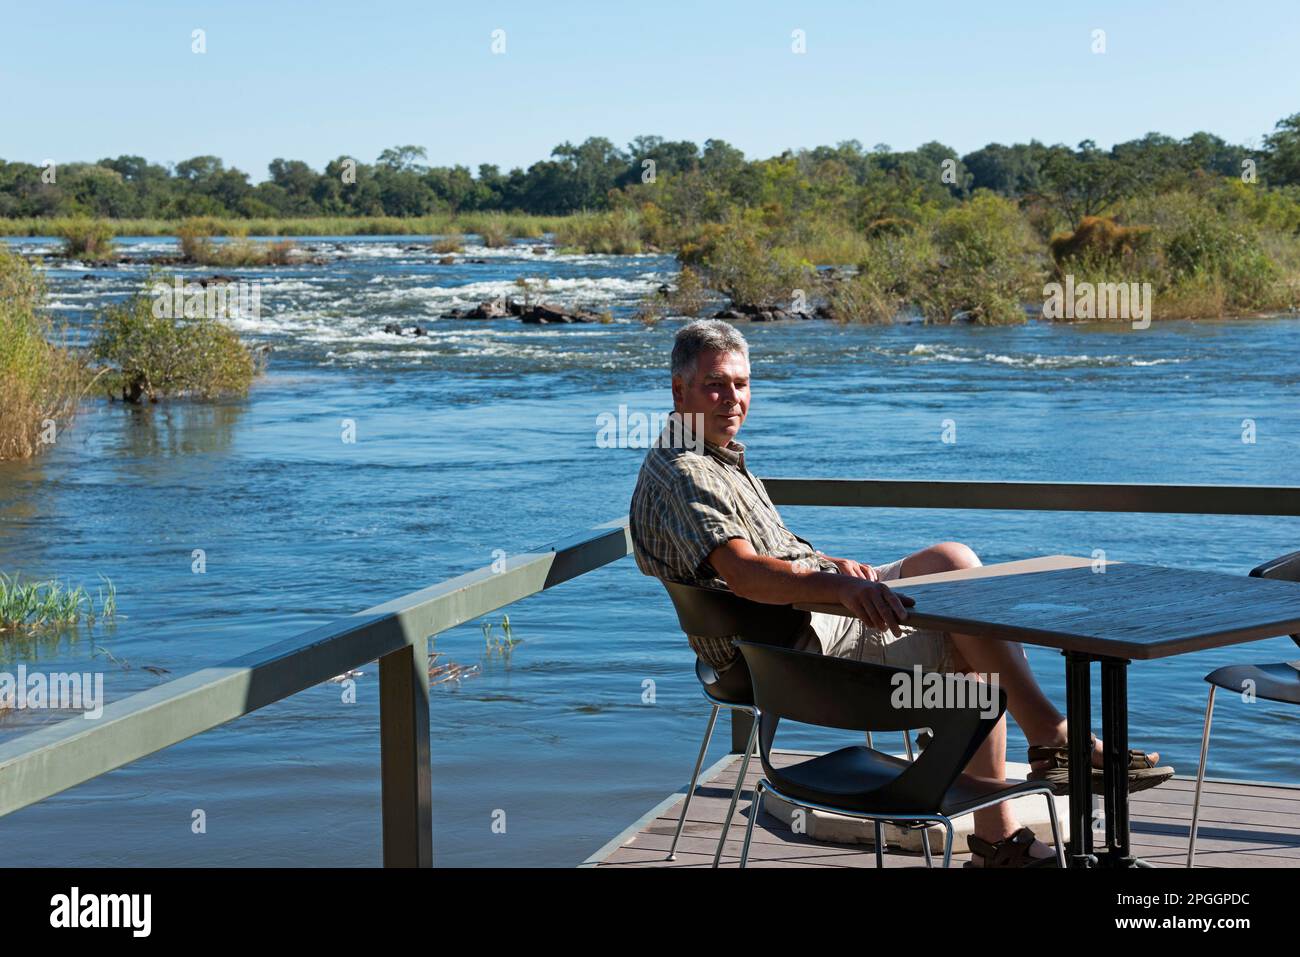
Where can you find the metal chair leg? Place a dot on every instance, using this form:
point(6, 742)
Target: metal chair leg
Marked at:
point(947, 843)
point(925, 831)
point(753, 815)
point(695, 777)
point(735, 795)
point(880, 844)
point(1056, 830)
point(1200, 779)
point(869, 744)
point(925, 846)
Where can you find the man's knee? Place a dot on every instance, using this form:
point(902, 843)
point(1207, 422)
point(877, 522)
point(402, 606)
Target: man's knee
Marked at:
point(957, 555)
point(944, 557)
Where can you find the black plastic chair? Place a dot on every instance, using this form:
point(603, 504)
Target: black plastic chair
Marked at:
point(714, 613)
point(859, 781)
point(1277, 681)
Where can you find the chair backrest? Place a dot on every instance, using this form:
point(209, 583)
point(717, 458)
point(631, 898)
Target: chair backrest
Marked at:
point(859, 696)
point(1286, 569)
point(714, 613)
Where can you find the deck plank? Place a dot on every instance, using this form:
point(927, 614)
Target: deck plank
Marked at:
point(1242, 825)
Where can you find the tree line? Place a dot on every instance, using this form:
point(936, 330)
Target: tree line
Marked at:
point(596, 175)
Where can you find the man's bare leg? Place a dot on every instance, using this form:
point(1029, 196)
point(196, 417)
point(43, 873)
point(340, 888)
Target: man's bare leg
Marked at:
point(990, 761)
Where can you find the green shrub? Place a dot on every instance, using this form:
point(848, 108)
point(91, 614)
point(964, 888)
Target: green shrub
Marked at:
point(195, 237)
point(988, 263)
point(1209, 254)
point(890, 278)
point(738, 259)
point(154, 357)
point(687, 296)
point(86, 239)
point(659, 229)
point(41, 382)
point(980, 258)
point(1270, 209)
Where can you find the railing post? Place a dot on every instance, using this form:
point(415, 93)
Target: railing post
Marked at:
point(404, 756)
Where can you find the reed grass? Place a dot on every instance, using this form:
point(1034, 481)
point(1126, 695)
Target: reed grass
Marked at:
point(27, 606)
point(520, 225)
point(502, 226)
point(493, 232)
point(616, 232)
point(450, 243)
point(502, 646)
point(197, 246)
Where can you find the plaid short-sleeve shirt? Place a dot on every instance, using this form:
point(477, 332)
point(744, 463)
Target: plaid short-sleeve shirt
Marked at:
point(686, 504)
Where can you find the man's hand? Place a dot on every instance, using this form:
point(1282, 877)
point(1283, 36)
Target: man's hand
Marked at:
point(875, 603)
point(848, 566)
point(776, 581)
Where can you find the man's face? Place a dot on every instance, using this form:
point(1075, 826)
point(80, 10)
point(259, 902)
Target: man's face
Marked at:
point(719, 391)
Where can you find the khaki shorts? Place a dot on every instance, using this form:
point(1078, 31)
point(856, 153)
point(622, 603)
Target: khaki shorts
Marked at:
point(853, 638)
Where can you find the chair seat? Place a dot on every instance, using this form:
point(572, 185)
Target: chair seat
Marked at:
point(823, 780)
point(1279, 681)
point(969, 792)
point(729, 688)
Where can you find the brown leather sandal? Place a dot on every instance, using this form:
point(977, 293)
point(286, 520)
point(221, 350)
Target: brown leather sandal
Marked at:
point(1011, 851)
point(1142, 774)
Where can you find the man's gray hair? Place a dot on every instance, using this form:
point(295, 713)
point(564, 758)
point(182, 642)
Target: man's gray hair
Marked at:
point(704, 335)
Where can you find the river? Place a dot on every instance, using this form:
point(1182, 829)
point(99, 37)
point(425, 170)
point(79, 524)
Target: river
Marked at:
point(482, 435)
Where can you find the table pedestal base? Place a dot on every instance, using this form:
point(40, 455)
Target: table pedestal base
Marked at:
point(1114, 719)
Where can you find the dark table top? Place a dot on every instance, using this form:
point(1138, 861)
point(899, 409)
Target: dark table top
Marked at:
point(1128, 611)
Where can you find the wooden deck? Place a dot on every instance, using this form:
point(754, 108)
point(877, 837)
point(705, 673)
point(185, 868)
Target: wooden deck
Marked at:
point(1242, 825)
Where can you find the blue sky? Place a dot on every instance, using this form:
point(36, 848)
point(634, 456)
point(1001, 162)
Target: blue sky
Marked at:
point(303, 80)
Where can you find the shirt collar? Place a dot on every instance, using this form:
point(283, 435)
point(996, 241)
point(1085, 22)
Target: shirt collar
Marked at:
point(732, 454)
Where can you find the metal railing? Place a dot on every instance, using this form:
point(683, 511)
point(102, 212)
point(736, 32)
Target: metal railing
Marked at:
point(52, 759)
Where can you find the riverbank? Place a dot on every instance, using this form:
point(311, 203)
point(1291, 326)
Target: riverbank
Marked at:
point(1216, 248)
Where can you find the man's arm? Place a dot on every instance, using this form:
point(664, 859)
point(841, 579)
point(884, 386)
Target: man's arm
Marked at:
point(776, 582)
point(848, 566)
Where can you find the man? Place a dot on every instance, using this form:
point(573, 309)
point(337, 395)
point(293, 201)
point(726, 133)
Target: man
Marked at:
point(699, 516)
